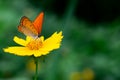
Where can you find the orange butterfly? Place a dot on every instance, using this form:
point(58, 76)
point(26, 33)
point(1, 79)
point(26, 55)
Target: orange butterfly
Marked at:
point(30, 28)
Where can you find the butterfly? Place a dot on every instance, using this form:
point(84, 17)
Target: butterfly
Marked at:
point(31, 28)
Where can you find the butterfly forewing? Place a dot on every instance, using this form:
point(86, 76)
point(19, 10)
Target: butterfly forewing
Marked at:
point(38, 22)
point(27, 27)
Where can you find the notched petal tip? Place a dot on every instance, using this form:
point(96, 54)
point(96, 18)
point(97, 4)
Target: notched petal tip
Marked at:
point(15, 38)
point(42, 38)
point(5, 49)
point(60, 34)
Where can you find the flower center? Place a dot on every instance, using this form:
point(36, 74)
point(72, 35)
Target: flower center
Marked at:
point(35, 44)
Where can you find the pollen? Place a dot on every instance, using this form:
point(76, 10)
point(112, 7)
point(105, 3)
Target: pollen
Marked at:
point(35, 44)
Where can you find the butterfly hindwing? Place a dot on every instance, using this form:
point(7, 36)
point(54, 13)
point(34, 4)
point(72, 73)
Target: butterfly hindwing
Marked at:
point(27, 27)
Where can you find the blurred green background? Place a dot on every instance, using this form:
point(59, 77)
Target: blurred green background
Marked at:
point(90, 48)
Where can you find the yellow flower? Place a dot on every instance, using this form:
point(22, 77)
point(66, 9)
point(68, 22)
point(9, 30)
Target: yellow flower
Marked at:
point(86, 74)
point(76, 76)
point(31, 66)
point(36, 47)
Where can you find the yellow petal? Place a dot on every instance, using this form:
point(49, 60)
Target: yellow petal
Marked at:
point(39, 53)
point(28, 38)
point(20, 41)
point(49, 44)
point(21, 51)
point(42, 38)
point(52, 42)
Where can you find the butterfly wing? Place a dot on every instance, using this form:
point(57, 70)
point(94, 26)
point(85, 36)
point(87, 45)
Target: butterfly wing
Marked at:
point(38, 22)
point(27, 27)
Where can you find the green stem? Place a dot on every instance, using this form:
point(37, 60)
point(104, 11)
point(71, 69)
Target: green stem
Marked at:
point(36, 71)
